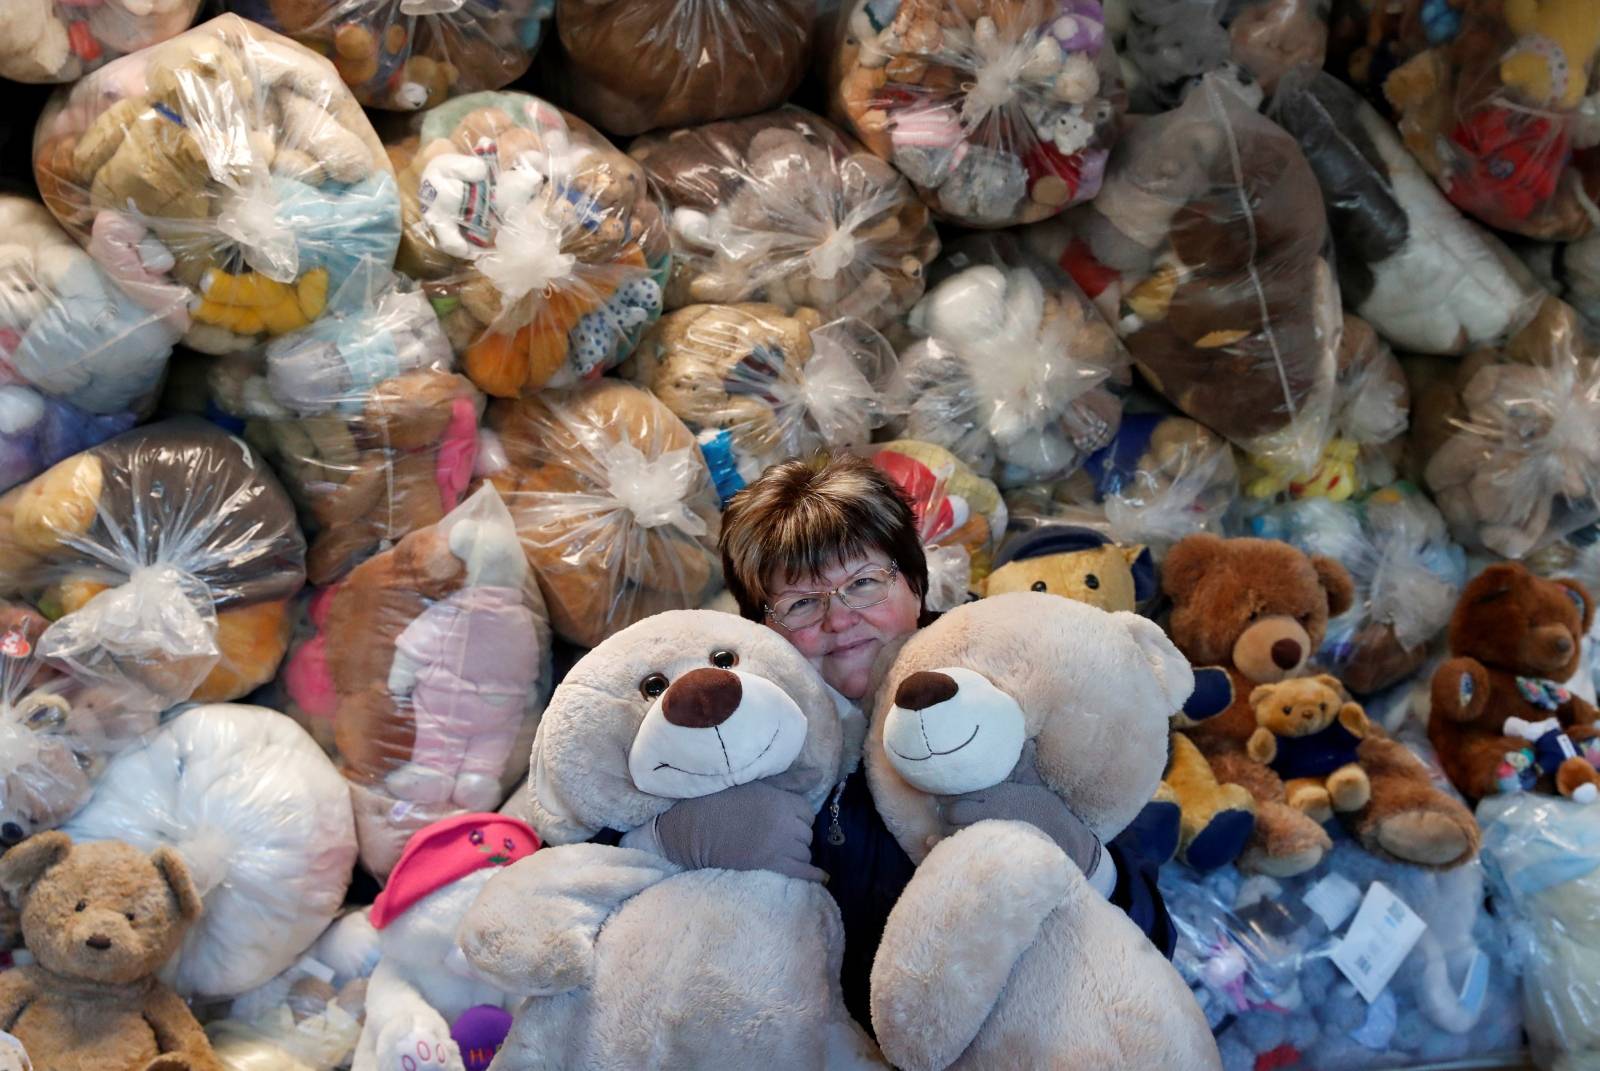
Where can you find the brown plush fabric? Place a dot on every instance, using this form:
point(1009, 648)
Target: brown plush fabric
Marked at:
point(1508, 623)
point(100, 920)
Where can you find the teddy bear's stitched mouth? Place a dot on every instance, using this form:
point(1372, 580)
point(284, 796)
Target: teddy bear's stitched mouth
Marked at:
point(730, 772)
point(932, 753)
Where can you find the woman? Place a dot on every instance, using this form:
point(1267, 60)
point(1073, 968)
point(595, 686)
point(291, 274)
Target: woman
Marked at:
point(826, 552)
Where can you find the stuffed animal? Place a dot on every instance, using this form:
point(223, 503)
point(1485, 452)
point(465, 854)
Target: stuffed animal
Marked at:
point(1513, 637)
point(262, 820)
point(676, 707)
point(1059, 975)
point(615, 505)
point(788, 209)
point(62, 40)
point(1494, 437)
point(1427, 279)
point(1013, 369)
point(1570, 271)
point(424, 996)
point(633, 67)
point(166, 558)
point(100, 920)
point(306, 1019)
point(540, 246)
point(1260, 609)
point(1076, 563)
point(407, 56)
point(1308, 732)
point(1232, 315)
point(437, 654)
point(757, 386)
point(961, 517)
point(1491, 114)
point(998, 111)
point(1167, 45)
point(241, 170)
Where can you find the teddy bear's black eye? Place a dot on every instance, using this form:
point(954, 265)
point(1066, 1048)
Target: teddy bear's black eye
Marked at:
point(652, 686)
point(1288, 710)
point(128, 915)
point(724, 659)
point(1092, 582)
point(1322, 708)
point(1040, 585)
point(83, 905)
point(10, 833)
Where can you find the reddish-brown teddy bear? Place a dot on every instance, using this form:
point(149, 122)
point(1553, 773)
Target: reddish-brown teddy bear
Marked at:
point(1259, 609)
point(1501, 721)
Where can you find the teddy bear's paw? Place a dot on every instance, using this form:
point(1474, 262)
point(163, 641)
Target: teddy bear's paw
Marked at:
point(169, 1061)
point(422, 1048)
point(1223, 838)
point(1312, 801)
point(1577, 780)
point(1349, 789)
point(1428, 837)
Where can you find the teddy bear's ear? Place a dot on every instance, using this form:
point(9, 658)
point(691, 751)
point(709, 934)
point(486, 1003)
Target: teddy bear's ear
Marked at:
point(1332, 683)
point(1580, 595)
point(1143, 567)
point(1187, 562)
point(1336, 582)
point(25, 864)
point(1260, 694)
point(1171, 669)
point(176, 875)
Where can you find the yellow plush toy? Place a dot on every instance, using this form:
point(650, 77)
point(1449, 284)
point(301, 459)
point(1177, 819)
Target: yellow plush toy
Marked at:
point(1078, 563)
point(1557, 39)
point(1335, 477)
point(1308, 731)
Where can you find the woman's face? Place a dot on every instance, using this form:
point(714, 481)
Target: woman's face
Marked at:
point(845, 643)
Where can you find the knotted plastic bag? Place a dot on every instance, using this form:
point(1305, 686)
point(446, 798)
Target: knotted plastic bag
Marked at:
point(229, 168)
point(410, 54)
point(757, 386)
point(617, 510)
point(998, 111)
point(540, 246)
point(786, 208)
point(80, 359)
point(62, 40)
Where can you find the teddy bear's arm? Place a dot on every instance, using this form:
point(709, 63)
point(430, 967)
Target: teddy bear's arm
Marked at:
point(176, 1030)
point(17, 991)
point(1580, 712)
point(1263, 746)
point(1354, 720)
point(1460, 689)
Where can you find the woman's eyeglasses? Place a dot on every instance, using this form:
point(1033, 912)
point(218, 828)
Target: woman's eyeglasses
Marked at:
point(866, 588)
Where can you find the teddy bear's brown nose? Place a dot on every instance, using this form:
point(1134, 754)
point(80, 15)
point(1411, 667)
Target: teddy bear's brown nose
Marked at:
point(1286, 654)
point(925, 689)
point(99, 942)
point(702, 698)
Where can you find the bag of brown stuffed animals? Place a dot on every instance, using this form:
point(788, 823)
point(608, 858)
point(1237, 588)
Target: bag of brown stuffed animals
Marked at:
point(166, 559)
point(617, 510)
point(62, 40)
point(363, 416)
point(629, 66)
point(540, 246)
point(409, 54)
point(998, 111)
point(787, 209)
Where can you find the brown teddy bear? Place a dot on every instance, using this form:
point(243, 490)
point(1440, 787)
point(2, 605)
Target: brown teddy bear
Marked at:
point(1500, 719)
point(100, 920)
point(1307, 731)
point(1259, 610)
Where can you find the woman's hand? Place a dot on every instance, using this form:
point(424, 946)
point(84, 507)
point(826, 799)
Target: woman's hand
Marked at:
point(748, 827)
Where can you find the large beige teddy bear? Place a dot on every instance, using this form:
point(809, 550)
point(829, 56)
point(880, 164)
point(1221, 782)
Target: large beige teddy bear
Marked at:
point(1001, 953)
point(626, 960)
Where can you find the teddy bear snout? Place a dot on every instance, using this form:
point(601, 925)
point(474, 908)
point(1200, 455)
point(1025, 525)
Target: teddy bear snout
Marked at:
point(702, 699)
point(99, 942)
point(1286, 654)
point(925, 689)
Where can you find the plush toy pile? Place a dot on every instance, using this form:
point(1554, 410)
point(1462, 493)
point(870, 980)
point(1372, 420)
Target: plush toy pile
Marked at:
point(62, 40)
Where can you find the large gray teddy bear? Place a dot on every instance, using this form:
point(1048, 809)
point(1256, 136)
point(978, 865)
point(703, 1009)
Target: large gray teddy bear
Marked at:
point(627, 961)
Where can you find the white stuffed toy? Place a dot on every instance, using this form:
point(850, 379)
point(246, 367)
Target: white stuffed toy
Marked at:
point(1002, 952)
point(425, 1002)
point(627, 960)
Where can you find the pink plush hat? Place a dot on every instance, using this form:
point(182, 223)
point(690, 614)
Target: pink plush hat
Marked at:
point(448, 851)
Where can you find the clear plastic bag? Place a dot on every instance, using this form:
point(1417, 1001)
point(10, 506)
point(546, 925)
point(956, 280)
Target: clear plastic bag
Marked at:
point(1013, 370)
point(166, 558)
point(1509, 439)
point(633, 65)
point(541, 246)
point(1570, 271)
point(1543, 858)
point(617, 510)
point(56, 731)
point(757, 386)
point(302, 1020)
point(261, 818)
point(363, 416)
point(1206, 250)
point(437, 657)
point(1258, 953)
point(998, 111)
point(1170, 43)
point(785, 208)
point(1426, 278)
point(1407, 575)
point(961, 517)
point(62, 40)
point(80, 360)
point(409, 54)
point(1495, 109)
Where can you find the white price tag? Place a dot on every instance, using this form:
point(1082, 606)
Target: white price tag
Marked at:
point(1334, 899)
point(1382, 935)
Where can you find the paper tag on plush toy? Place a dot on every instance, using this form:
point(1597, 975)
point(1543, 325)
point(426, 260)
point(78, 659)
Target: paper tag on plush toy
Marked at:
point(1333, 898)
point(13, 1057)
point(1378, 941)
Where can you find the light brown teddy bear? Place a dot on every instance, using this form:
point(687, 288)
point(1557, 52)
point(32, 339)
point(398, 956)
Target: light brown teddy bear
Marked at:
point(100, 920)
point(1308, 732)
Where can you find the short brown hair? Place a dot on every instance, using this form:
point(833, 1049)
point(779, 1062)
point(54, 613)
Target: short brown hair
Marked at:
point(807, 514)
